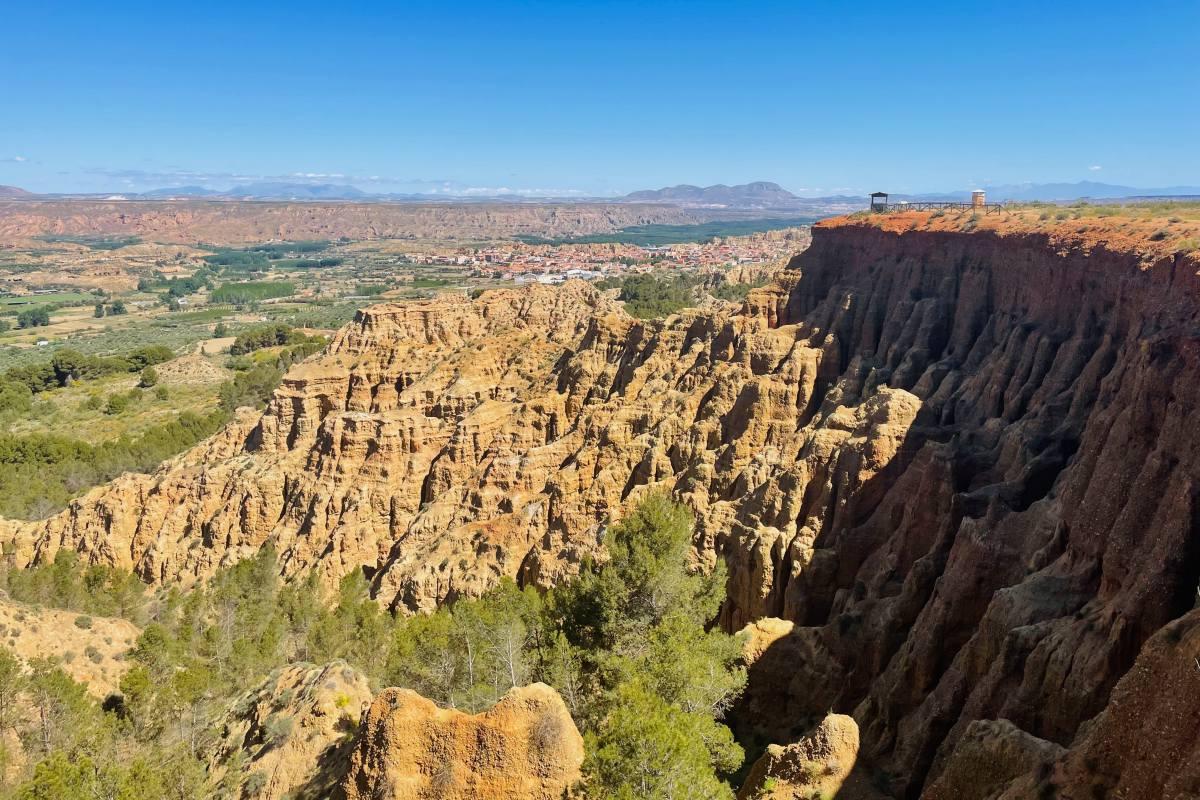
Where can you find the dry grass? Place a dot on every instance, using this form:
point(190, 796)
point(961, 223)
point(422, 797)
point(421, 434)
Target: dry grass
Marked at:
point(90, 649)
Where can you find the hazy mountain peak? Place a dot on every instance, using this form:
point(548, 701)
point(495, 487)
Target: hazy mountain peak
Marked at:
point(759, 194)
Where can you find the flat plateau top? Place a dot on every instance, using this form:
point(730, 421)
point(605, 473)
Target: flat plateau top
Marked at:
point(1154, 230)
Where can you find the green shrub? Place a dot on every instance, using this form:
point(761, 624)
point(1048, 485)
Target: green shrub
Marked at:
point(117, 404)
point(278, 729)
point(84, 623)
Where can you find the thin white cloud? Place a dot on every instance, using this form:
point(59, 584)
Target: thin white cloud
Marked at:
point(1095, 168)
point(14, 160)
point(172, 177)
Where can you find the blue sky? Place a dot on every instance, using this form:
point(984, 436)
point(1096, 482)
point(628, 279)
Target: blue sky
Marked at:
point(598, 98)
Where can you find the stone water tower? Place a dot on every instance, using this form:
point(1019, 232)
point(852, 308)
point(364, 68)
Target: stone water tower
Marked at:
point(978, 198)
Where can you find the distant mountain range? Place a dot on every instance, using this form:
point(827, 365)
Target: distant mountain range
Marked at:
point(1080, 190)
point(268, 190)
point(759, 196)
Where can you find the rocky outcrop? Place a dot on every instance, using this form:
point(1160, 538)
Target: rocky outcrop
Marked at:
point(291, 736)
point(997, 571)
point(1145, 744)
point(988, 757)
point(526, 747)
point(232, 222)
point(961, 464)
point(818, 764)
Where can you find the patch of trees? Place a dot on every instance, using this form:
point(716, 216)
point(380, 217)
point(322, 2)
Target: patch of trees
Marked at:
point(254, 382)
point(68, 584)
point(251, 292)
point(69, 365)
point(40, 473)
point(239, 260)
point(95, 242)
point(649, 297)
point(176, 287)
point(263, 336)
point(33, 317)
point(114, 309)
point(308, 263)
point(72, 743)
point(260, 258)
point(277, 250)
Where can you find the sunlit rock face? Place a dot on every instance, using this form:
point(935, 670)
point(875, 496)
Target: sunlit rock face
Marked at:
point(438, 446)
point(526, 747)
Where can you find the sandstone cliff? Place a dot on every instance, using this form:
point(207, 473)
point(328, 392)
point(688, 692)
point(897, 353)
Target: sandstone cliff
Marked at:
point(959, 463)
point(526, 747)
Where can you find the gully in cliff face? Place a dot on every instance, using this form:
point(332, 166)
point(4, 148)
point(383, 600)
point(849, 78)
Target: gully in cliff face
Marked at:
point(958, 464)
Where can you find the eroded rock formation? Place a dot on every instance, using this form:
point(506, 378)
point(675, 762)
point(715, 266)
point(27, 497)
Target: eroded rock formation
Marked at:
point(964, 466)
point(437, 446)
point(526, 747)
point(291, 736)
point(820, 763)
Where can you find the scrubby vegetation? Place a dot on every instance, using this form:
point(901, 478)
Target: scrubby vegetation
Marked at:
point(256, 380)
point(68, 365)
point(265, 336)
point(40, 473)
point(45, 466)
point(649, 296)
point(94, 242)
point(626, 645)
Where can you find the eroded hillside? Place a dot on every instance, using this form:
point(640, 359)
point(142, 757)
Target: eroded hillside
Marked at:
point(229, 222)
point(960, 462)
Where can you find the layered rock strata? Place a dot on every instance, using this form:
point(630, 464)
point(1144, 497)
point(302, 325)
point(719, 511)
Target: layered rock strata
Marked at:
point(526, 747)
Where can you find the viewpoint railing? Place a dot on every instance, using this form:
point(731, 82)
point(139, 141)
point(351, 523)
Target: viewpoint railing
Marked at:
point(985, 208)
